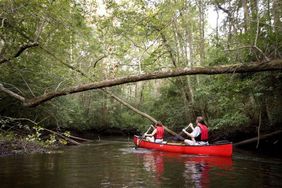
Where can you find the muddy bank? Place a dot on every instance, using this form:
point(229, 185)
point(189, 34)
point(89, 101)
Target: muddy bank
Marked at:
point(13, 147)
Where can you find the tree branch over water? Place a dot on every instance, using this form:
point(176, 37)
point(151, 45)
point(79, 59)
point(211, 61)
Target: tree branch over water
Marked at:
point(273, 65)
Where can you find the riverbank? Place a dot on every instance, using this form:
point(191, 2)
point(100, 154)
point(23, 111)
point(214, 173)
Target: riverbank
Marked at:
point(13, 146)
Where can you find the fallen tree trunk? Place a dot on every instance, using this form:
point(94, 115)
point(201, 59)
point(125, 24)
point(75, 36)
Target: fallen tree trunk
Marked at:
point(63, 136)
point(78, 138)
point(225, 69)
point(256, 138)
point(141, 113)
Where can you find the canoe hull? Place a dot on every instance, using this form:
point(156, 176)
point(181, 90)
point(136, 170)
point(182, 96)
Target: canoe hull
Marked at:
point(215, 150)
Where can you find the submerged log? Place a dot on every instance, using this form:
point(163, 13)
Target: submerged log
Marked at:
point(256, 138)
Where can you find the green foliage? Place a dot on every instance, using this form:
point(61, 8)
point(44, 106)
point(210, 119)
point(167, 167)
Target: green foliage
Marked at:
point(169, 107)
point(236, 119)
point(36, 136)
point(51, 141)
point(217, 56)
point(128, 119)
point(135, 37)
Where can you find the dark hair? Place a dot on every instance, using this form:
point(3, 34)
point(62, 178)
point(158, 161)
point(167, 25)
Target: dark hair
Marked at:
point(159, 124)
point(201, 120)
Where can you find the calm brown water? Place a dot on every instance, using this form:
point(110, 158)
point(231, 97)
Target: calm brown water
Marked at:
point(109, 163)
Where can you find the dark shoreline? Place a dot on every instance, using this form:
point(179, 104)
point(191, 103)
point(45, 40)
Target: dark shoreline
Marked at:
point(10, 147)
point(16, 146)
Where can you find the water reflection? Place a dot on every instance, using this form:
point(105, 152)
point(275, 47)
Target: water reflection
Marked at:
point(154, 163)
point(197, 173)
point(197, 169)
point(194, 169)
point(117, 164)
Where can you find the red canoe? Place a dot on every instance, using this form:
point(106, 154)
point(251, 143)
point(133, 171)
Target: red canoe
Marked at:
point(212, 149)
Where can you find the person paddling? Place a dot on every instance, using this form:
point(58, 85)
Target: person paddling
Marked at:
point(157, 135)
point(199, 135)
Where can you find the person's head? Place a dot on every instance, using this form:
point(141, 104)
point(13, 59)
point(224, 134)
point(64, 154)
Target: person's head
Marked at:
point(159, 124)
point(200, 119)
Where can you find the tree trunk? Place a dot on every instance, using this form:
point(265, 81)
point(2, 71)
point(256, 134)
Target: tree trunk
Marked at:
point(254, 14)
point(201, 7)
point(190, 58)
point(182, 82)
point(246, 14)
point(277, 13)
point(225, 69)
point(256, 138)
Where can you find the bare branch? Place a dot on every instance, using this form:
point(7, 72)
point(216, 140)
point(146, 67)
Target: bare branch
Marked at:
point(255, 47)
point(265, 57)
point(27, 85)
point(11, 93)
point(3, 22)
point(99, 59)
point(19, 52)
point(59, 85)
point(223, 9)
point(13, 87)
point(39, 30)
point(48, 130)
point(24, 47)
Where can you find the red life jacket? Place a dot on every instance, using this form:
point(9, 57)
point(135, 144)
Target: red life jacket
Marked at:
point(160, 132)
point(204, 132)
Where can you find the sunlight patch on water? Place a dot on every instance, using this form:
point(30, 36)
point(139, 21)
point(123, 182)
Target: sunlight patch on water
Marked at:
point(134, 150)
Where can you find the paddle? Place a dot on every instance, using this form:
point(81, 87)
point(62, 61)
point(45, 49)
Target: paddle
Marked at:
point(178, 136)
point(173, 133)
point(143, 136)
point(190, 125)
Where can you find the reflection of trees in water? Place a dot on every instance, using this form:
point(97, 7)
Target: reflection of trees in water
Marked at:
point(195, 170)
point(197, 173)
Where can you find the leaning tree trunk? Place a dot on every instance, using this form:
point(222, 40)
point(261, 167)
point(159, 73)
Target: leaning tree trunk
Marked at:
point(147, 116)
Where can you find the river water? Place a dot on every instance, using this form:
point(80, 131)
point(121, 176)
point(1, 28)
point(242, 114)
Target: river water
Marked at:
point(116, 163)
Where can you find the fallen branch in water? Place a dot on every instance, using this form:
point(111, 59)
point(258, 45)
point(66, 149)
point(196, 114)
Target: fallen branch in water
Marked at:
point(256, 138)
point(78, 138)
point(63, 136)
